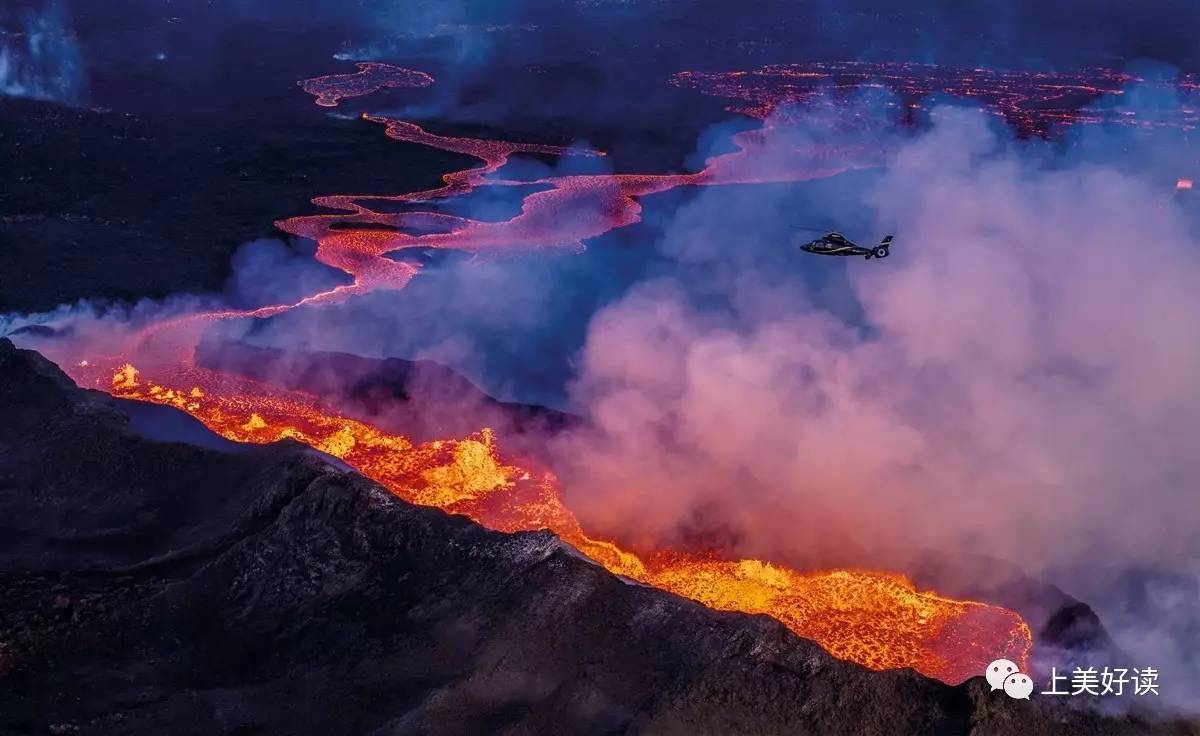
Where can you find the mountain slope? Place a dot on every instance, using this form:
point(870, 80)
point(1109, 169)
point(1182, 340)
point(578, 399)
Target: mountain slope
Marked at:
point(155, 587)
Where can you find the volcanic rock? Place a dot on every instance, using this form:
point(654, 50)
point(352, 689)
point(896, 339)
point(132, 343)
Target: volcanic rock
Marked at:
point(155, 587)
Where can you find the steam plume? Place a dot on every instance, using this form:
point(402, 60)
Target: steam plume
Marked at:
point(1021, 379)
point(40, 58)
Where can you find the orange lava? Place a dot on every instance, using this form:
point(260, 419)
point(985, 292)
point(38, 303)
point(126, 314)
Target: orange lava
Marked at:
point(1033, 102)
point(875, 619)
point(370, 77)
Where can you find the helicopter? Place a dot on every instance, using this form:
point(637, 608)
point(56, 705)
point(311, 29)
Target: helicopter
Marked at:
point(835, 244)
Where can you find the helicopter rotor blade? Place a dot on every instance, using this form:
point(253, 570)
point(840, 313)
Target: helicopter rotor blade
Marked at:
point(812, 229)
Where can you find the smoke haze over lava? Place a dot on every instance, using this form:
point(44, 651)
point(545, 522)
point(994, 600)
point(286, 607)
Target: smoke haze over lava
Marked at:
point(1019, 381)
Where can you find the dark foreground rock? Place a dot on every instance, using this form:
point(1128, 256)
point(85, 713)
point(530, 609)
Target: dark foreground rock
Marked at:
point(151, 587)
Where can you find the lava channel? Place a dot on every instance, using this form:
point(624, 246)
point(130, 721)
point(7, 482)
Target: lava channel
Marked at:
point(876, 619)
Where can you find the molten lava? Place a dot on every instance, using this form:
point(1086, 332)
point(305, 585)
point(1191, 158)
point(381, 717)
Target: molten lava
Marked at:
point(370, 77)
point(1031, 102)
point(875, 619)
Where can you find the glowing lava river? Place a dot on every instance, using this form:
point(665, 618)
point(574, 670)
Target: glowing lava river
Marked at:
point(876, 619)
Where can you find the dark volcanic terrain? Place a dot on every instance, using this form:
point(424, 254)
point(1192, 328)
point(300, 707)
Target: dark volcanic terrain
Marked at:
point(156, 587)
point(116, 206)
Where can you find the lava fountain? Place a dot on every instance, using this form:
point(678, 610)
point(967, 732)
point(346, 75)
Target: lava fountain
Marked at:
point(875, 619)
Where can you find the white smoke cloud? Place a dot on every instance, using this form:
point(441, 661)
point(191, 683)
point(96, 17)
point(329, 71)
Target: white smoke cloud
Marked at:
point(1020, 380)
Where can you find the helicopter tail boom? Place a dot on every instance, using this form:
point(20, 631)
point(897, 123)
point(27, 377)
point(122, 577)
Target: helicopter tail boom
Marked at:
point(883, 250)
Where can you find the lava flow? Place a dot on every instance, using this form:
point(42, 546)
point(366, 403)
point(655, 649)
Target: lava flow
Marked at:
point(1033, 103)
point(875, 619)
point(370, 77)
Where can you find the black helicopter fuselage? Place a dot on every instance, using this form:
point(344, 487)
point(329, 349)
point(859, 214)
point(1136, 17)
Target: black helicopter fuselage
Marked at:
point(836, 244)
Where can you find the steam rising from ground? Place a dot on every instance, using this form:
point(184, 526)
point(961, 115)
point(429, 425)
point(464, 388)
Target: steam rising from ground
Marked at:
point(39, 58)
point(1029, 344)
point(1021, 379)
